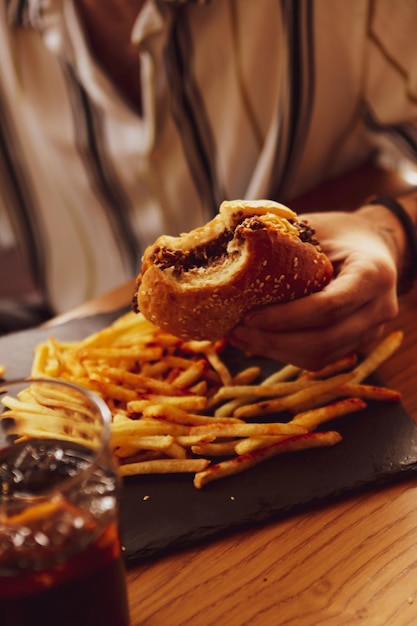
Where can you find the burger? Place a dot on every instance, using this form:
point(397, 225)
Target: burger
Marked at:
point(201, 284)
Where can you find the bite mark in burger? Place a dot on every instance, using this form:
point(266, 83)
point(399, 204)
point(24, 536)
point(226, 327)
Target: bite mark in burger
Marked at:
point(200, 285)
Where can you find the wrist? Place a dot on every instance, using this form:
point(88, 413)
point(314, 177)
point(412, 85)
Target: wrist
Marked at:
point(395, 220)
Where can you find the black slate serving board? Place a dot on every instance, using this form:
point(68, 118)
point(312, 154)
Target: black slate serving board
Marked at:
point(162, 513)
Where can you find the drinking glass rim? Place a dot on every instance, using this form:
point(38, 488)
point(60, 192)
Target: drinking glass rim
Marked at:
point(104, 438)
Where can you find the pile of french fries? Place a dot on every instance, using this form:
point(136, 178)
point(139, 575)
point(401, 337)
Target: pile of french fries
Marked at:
point(176, 407)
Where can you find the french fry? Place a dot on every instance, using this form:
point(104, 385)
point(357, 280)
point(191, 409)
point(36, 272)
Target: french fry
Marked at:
point(155, 369)
point(370, 392)
point(24, 419)
point(189, 403)
point(200, 388)
point(108, 335)
point(247, 376)
point(378, 355)
point(341, 365)
point(137, 408)
point(179, 416)
point(190, 375)
point(228, 408)
point(119, 415)
point(176, 362)
point(274, 390)
point(115, 355)
point(176, 451)
point(314, 417)
point(253, 443)
point(151, 442)
point(113, 391)
point(367, 392)
point(139, 381)
point(294, 400)
point(31, 432)
point(122, 452)
point(44, 364)
point(197, 346)
point(244, 462)
point(227, 429)
point(122, 432)
point(222, 448)
point(69, 361)
point(29, 409)
point(219, 366)
point(187, 441)
point(164, 466)
point(287, 372)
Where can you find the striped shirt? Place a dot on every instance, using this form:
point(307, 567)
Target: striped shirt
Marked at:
point(240, 99)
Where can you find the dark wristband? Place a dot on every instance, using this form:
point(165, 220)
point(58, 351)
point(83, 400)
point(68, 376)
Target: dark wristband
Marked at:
point(410, 273)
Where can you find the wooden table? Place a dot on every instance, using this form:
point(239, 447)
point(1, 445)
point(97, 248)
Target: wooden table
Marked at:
point(353, 562)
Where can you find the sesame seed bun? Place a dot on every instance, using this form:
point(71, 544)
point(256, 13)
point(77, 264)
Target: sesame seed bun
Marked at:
point(253, 253)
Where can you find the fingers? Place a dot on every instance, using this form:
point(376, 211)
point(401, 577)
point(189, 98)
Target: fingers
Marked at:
point(312, 346)
point(307, 349)
point(357, 286)
point(317, 311)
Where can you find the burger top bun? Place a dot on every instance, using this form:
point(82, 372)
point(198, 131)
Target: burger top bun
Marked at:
point(200, 285)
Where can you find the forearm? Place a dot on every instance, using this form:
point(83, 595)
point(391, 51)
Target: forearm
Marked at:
point(391, 229)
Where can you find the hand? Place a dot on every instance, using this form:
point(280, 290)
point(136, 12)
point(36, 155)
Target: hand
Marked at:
point(348, 313)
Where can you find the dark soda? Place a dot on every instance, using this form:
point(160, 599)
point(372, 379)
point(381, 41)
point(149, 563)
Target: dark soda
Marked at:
point(60, 560)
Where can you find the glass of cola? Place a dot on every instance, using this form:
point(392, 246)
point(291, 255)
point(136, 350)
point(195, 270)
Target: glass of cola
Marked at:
point(60, 552)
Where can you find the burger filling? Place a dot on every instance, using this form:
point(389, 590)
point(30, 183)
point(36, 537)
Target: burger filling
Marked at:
point(306, 233)
point(213, 252)
point(180, 261)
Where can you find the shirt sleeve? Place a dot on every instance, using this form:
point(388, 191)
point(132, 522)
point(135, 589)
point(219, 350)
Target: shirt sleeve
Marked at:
point(390, 82)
